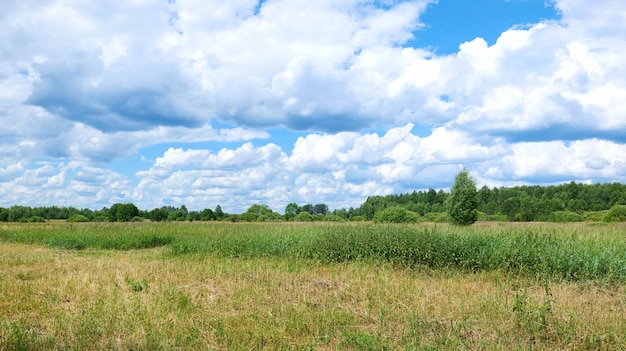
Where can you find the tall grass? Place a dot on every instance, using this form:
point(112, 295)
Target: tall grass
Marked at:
point(561, 252)
point(555, 252)
point(79, 236)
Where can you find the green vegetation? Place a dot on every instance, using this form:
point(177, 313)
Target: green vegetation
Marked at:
point(617, 213)
point(396, 214)
point(82, 236)
point(354, 286)
point(560, 203)
point(549, 251)
point(463, 201)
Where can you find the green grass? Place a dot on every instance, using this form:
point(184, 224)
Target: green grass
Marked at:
point(263, 286)
point(557, 252)
point(79, 236)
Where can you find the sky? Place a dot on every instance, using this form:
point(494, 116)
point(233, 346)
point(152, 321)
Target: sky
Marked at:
point(243, 102)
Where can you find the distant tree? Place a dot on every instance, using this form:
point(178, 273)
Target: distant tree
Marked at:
point(510, 207)
point(303, 216)
point(219, 214)
point(430, 196)
point(463, 201)
point(184, 211)
point(158, 214)
point(207, 215)
point(123, 212)
point(320, 209)
point(291, 210)
point(307, 208)
point(4, 215)
point(177, 215)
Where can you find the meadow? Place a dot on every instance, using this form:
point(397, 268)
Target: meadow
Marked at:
point(315, 286)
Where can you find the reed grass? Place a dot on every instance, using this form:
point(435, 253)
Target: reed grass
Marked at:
point(549, 251)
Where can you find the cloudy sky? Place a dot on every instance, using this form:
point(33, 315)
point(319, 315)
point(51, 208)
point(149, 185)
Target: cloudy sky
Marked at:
point(242, 102)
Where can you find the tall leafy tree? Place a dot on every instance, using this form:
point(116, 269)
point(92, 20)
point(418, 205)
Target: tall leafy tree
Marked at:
point(463, 201)
point(291, 211)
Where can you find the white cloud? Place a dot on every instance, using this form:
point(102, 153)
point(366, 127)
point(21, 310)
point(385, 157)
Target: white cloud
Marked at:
point(84, 83)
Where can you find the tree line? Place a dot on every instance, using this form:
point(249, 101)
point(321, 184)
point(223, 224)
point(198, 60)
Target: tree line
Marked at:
point(561, 203)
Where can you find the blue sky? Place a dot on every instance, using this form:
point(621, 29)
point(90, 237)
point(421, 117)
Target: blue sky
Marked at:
point(205, 102)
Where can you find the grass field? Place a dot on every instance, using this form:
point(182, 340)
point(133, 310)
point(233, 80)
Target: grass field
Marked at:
point(287, 286)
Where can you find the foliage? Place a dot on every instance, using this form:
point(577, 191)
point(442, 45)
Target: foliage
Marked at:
point(35, 219)
point(303, 217)
point(158, 214)
point(396, 214)
point(291, 210)
point(437, 217)
point(333, 218)
point(594, 216)
point(565, 216)
point(617, 213)
point(463, 202)
point(77, 218)
point(122, 212)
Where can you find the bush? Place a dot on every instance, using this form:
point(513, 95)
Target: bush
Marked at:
point(303, 217)
point(437, 217)
point(75, 218)
point(497, 218)
point(100, 218)
point(358, 219)
point(333, 218)
point(565, 216)
point(396, 214)
point(594, 216)
point(137, 219)
point(35, 219)
point(617, 213)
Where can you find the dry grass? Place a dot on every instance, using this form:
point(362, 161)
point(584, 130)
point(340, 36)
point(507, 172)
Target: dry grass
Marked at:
point(100, 299)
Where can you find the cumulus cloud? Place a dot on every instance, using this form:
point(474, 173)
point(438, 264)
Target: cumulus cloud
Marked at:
point(85, 83)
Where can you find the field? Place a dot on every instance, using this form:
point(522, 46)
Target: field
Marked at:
point(290, 286)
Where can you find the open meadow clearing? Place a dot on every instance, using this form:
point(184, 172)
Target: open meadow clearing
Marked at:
point(312, 286)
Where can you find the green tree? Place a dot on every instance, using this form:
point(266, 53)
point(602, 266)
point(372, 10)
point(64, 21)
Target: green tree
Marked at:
point(291, 211)
point(219, 214)
point(158, 214)
point(463, 200)
point(4, 215)
point(303, 216)
point(123, 212)
point(207, 215)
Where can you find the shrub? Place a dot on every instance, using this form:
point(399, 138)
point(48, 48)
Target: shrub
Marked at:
point(617, 213)
point(396, 214)
point(358, 219)
point(303, 217)
point(497, 218)
point(594, 216)
point(565, 216)
point(137, 219)
point(35, 219)
point(437, 217)
point(100, 218)
point(333, 218)
point(75, 218)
